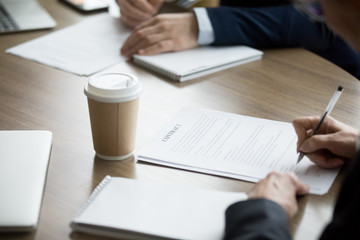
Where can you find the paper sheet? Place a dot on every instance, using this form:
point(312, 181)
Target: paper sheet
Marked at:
point(84, 48)
point(235, 146)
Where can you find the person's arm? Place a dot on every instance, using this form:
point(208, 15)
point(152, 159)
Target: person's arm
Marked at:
point(334, 145)
point(254, 3)
point(279, 26)
point(265, 214)
point(206, 31)
point(163, 33)
point(170, 32)
point(256, 219)
point(344, 223)
point(135, 12)
point(252, 27)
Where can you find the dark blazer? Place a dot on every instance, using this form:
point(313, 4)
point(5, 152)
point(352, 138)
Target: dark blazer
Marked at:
point(253, 3)
point(256, 219)
point(264, 219)
point(279, 27)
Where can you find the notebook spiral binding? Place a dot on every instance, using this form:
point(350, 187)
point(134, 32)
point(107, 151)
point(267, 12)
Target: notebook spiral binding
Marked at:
point(93, 195)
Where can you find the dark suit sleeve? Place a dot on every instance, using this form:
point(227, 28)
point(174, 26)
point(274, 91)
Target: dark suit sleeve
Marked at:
point(345, 223)
point(256, 219)
point(281, 26)
point(253, 3)
point(267, 27)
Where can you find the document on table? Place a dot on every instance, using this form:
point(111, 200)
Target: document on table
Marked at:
point(232, 145)
point(84, 48)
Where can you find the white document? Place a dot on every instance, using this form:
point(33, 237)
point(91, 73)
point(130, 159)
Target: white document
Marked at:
point(234, 146)
point(129, 209)
point(84, 48)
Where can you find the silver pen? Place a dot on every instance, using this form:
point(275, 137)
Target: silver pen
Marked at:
point(327, 112)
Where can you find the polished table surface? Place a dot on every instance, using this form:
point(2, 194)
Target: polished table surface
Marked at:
point(285, 84)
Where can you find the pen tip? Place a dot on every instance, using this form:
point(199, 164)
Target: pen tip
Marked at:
point(340, 88)
point(301, 155)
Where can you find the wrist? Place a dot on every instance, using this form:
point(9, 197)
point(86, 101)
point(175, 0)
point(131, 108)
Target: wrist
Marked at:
point(206, 34)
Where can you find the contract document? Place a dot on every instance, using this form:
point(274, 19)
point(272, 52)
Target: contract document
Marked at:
point(235, 146)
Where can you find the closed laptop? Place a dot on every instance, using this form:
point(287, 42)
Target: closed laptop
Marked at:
point(23, 15)
point(24, 158)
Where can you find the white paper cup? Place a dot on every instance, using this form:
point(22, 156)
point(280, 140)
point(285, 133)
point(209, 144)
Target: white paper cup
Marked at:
point(113, 100)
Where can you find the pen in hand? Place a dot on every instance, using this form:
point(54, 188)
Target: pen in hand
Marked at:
point(327, 112)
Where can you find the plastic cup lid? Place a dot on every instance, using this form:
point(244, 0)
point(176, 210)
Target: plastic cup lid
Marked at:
point(113, 87)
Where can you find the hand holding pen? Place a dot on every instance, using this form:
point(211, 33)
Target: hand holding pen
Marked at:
point(332, 146)
point(327, 112)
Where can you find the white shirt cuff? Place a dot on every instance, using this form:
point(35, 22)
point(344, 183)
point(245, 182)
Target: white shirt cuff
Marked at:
point(206, 31)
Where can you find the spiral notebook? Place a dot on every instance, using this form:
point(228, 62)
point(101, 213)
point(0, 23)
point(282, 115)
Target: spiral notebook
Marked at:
point(193, 63)
point(129, 209)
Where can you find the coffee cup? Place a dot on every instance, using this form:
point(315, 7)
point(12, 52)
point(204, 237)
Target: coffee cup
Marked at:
point(113, 100)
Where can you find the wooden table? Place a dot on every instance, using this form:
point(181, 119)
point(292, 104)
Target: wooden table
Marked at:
point(283, 85)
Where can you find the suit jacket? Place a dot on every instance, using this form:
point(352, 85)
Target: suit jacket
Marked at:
point(264, 219)
point(279, 27)
point(253, 3)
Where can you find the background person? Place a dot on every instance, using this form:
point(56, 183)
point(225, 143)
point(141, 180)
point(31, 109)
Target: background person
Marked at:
point(335, 145)
point(272, 201)
point(265, 27)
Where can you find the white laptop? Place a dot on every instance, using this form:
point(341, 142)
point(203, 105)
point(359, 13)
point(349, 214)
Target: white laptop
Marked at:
point(24, 157)
point(23, 15)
